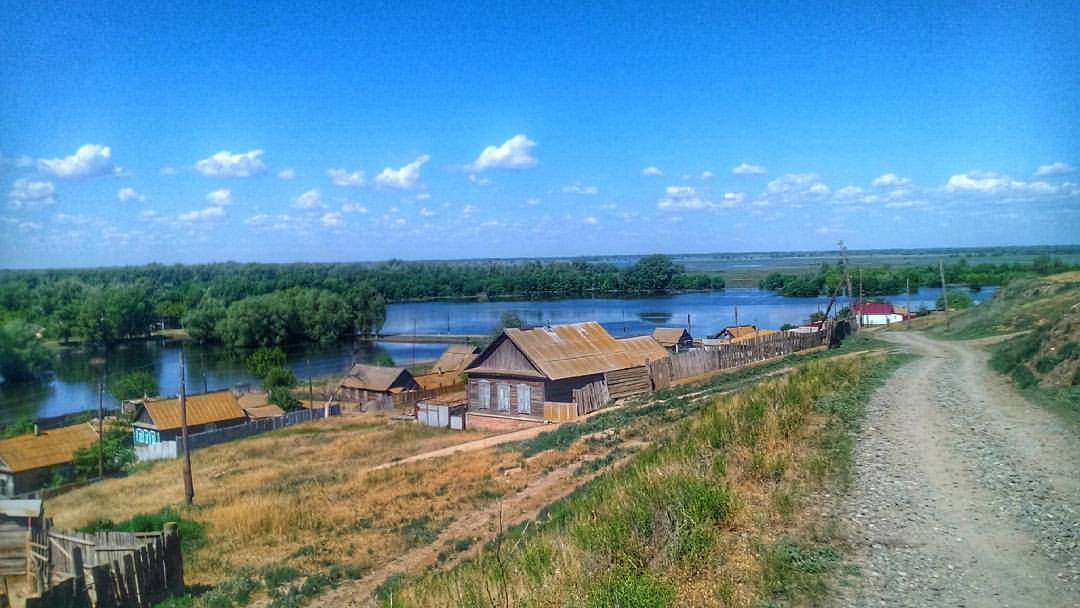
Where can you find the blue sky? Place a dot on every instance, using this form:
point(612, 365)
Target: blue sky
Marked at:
point(230, 131)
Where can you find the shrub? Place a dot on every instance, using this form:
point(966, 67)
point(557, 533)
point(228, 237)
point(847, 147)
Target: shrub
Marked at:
point(264, 359)
point(958, 300)
point(628, 588)
point(282, 397)
point(192, 533)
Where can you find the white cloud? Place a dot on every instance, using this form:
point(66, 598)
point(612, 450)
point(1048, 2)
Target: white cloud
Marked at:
point(591, 220)
point(403, 178)
point(424, 211)
point(468, 210)
point(479, 181)
point(684, 197)
point(271, 222)
point(978, 181)
point(332, 219)
point(1058, 168)
point(167, 171)
point(423, 196)
point(793, 182)
point(29, 194)
point(847, 193)
point(198, 215)
point(29, 227)
point(353, 208)
point(125, 195)
point(891, 179)
point(308, 200)
point(707, 175)
point(532, 202)
point(220, 198)
point(748, 169)
point(514, 153)
point(579, 189)
point(90, 160)
point(147, 214)
point(732, 199)
point(651, 172)
point(287, 173)
point(227, 164)
point(342, 177)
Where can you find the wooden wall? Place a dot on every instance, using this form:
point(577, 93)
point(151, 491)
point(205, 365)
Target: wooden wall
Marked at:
point(536, 394)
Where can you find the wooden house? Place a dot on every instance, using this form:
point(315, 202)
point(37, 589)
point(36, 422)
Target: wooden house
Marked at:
point(28, 462)
point(367, 382)
point(450, 367)
point(738, 333)
point(523, 369)
point(256, 406)
point(158, 420)
point(675, 339)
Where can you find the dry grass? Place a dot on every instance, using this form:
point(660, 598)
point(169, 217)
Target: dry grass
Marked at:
point(304, 494)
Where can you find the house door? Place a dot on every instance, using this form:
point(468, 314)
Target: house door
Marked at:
point(504, 397)
point(524, 399)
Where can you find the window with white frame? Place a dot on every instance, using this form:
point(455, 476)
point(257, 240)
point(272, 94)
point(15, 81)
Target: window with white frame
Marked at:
point(504, 396)
point(483, 387)
point(524, 399)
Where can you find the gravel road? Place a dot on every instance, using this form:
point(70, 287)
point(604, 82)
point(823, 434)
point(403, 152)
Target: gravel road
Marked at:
point(965, 493)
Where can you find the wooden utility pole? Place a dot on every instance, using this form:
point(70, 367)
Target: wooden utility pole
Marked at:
point(944, 294)
point(907, 317)
point(101, 430)
point(847, 272)
point(736, 316)
point(189, 488)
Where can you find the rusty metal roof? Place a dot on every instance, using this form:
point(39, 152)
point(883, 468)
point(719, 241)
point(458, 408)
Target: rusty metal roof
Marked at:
point(376, 378)
point(47, 448)
point(264, 411)
point(669, 336)
point(217, 406)
point(575, 349)
point(645, 347)
point(456, 358)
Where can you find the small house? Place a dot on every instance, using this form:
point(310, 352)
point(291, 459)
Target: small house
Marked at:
point(675, 339)
point(256, 406)
point(450, 367)
point(443, 411)
point(367, 382)
point(876, 313)
point(737, 332)
point(522, 369)
point(158, 420)
point(17, 517)
point(29, 462)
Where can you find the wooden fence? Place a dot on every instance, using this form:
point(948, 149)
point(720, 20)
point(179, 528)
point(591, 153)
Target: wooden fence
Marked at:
point(106, 569)
point(410, 398)
point(734, 354)
point(591, 397)
point(253, 427)
point(627, 382)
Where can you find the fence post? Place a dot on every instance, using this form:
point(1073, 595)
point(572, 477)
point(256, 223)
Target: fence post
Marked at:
point(174, 559)
point(78, 581)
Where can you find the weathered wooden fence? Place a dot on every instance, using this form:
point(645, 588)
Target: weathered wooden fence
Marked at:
point(734, 354)
point(626, 382)
point(253, 427)
point(591, 397)
point(411, 398)
point(106, 569)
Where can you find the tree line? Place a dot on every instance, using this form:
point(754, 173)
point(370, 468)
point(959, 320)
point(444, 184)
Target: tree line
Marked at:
point(884, 280)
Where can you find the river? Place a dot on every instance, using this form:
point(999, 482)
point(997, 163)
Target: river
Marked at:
point(73, 386)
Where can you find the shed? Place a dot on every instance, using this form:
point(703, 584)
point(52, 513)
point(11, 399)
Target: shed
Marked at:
point(523, 368)
point(443, 411)
point(365, 382)
point(28, 462)
point(876, 313)
point(16, 519)
point(735, 332)
point(158, 420)
point(675, 339)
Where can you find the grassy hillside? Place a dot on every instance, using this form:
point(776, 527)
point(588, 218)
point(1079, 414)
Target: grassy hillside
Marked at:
point(720, 510)
point(1045, 360)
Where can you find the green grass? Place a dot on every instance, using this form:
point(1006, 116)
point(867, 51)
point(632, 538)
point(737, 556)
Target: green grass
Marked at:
point(192, 532)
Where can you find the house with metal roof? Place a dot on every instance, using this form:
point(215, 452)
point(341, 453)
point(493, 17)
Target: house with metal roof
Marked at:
point(522, 369)
point(367, 382)
point(158, 420)
point(675, 339)
point(448, 370)
point(876, 313)
point(29, 462)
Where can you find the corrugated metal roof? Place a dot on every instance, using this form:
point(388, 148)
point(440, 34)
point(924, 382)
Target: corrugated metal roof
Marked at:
point(645, 347)
point(456, 358)
point(669, 336)
point(249, 400)
point(576, 349)
point(740, 331)
point(218, 406)
point(47, 448)
point(264, 411)
point(376, 378)
point(756, 334)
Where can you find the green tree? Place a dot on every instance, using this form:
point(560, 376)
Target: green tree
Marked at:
point(383, 359)
point(507, 320)
point(133, 385)
point(201, 322)
point(958, 300)
point(20, 426)
point(118, 451)
point(22, 355)
point(652, 273)
point(264, 359)
point(282, 397)
point(278, 377)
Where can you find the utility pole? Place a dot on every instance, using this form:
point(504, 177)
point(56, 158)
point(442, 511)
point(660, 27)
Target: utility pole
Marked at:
point(944, 293)
point(736, 315)
point(189, 488)
point(907, 317)
point(202, 364)
point(310, 390)
point(688, 325)
point(101, 430)
point(847, 273)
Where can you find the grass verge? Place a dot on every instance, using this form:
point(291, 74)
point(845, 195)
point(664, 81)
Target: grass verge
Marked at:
point(715, 512)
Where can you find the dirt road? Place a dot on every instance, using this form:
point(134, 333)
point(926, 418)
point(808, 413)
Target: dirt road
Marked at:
point(965, 493)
